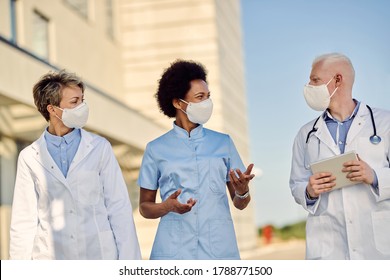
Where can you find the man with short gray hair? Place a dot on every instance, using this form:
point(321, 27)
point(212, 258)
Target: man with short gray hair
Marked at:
point(351, 222)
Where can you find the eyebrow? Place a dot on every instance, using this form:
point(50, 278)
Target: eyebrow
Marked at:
point(202, 92)
point(77, 97)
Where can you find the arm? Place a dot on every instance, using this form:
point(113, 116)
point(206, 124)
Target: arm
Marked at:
point(152, 210)
point(119, 210)
point(238, 186)
point(148, 181)
point(24, 219)
point(300, 175)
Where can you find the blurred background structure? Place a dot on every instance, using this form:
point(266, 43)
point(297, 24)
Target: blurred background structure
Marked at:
point(119, 48)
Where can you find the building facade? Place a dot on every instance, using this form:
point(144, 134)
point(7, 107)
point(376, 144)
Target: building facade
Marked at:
point(119, 48)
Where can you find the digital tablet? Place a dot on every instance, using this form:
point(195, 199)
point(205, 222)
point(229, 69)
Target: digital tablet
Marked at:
point(334, 165)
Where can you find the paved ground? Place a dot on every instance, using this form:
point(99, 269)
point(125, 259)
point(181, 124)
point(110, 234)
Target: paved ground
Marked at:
point(290, 250)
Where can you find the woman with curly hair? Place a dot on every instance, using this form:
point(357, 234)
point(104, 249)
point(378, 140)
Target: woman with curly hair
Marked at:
point(191, 166)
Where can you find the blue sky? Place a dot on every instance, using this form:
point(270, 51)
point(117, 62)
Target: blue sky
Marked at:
point(280, 39)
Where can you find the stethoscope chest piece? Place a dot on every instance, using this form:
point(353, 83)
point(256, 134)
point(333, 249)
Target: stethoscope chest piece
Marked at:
point(375, 139)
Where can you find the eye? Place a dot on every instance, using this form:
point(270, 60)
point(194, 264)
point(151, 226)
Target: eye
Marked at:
point(315, 80)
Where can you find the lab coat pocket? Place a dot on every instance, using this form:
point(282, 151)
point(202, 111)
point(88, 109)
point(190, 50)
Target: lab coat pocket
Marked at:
point(88, 187)
point(218, 175)
point(319, 237)
point(168, 239)
point(380, 226)
point(374, 155)
point(222, 238)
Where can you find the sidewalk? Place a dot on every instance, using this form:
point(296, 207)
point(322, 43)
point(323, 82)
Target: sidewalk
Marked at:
point(277, 250)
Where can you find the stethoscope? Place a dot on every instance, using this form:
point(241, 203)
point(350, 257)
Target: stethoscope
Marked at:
point(374, 139)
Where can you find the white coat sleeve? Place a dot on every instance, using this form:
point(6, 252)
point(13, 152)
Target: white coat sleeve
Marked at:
point(299, 176)
point(120, 212)
point(24, 217)
point(383, 174)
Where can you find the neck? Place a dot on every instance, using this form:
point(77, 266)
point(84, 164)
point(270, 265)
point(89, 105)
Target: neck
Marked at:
point(342, 110)
point(58, 129)
point(184, 123)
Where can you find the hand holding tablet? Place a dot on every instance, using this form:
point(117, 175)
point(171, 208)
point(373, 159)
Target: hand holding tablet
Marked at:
point(334, 165)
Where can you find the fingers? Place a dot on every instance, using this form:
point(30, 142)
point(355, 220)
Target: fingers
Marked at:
point(175, 194)
point(232, 176)
point(352, 163)
point(320, 175)
point(249, 169)
point(191, 202)
point(184, 208)
point(242, 177)
point(321, 183)
point(365, 175)
point(359, 171)
point(178, 207)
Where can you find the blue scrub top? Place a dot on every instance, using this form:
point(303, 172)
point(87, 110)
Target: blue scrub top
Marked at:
point(198, 164)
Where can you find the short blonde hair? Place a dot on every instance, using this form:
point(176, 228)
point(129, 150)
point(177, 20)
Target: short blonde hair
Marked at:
point(48, 90)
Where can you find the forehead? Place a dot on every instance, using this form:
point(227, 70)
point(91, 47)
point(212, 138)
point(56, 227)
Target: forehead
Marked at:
point(71, 92)
point(319, 69)
point(198, 86)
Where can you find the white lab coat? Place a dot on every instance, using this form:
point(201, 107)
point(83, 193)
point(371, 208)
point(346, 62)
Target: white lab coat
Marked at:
point(352, 222)
point(86, 215)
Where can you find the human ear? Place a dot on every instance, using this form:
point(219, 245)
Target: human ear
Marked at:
point(50, 109)
point(338, 78)
point(176, 103)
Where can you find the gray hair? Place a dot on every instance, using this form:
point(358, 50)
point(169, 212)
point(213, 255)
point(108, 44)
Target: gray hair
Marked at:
point(48, 90)
point(335, 57)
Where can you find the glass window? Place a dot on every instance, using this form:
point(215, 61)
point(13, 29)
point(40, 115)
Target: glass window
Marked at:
point(110, 19)
point(13, 21)
point(81, 6)
point(40, 35)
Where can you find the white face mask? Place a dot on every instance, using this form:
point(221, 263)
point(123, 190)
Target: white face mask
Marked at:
point(76, 117)
point(317, 97)
point(199, 112)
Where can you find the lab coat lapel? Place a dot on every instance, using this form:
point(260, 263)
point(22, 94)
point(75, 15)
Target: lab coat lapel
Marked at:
point(358, 123)
point(43, 156)
point(85, 147)
point(324, 136)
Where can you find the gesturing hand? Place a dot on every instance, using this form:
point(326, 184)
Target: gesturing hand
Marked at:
point(241, 182)
point(175, 206)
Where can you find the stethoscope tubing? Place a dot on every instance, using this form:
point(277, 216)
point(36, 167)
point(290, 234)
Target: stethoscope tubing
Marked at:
point(374, 139)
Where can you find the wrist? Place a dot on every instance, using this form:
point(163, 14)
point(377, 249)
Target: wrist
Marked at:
point(168, 206)
point(308, 196)
point(242, 196)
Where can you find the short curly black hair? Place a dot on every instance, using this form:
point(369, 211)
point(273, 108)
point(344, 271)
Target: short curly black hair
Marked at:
point(175, 83)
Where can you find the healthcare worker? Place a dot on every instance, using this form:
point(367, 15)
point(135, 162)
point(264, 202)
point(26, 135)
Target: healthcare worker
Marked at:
point(191, 167)
point(70, 199)
point(351, 222)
